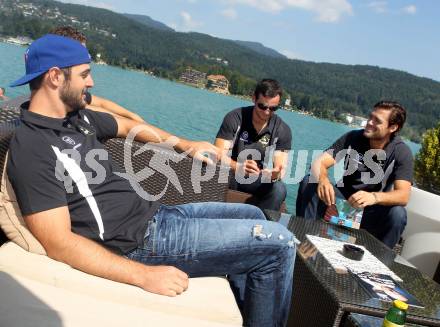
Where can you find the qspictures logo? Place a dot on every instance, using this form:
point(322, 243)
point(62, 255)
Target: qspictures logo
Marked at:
point(164, 157)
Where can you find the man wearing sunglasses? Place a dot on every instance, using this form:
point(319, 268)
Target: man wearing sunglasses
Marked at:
point(250, 136)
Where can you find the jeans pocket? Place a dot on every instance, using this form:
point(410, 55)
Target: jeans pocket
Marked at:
point(150, 232)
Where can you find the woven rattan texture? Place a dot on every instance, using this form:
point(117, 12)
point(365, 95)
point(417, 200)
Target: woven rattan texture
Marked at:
point(177, 177)
point(359, 320)
point(308, 297)
point(9, 120)
point(181, 180)
point(318, 278)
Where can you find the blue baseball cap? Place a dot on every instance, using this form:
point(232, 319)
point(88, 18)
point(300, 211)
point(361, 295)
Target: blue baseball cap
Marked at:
point(50, 51)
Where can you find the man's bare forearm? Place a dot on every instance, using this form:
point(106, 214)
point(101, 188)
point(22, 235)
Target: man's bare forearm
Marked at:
point(145, 133)
point(392, 198)
point(318, 172)
point(148, 133)
point(320, 166)
point(114, 108)
point(92, 258)
point(230, 162)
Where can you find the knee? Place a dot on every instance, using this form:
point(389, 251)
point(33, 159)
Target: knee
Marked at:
point(307, 187)
point(286, 241)
point(279, 189)
point(275, 234)
point(249, 211)
point(255, 212)
point(397, 217)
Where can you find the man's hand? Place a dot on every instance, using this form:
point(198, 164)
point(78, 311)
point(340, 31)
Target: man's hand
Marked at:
point(204, 151)
point(53, 229)
point(250, 167)
point(326, 191)
point(275, 174)
point(362, 199)
point(278, 173)
point(164, 280)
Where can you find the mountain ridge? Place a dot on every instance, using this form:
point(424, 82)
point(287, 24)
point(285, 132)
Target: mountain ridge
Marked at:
point(261, 48)
point(255, 46)
point(148, 21)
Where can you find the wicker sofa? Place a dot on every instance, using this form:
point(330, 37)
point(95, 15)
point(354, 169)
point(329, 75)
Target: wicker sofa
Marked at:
point(38, 291)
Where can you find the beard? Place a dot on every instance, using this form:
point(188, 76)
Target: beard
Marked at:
point(72, 98)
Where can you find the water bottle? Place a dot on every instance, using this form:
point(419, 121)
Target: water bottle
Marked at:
point(396, 315)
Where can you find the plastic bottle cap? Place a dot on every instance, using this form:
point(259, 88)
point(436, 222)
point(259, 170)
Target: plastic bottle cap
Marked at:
point(400, 305)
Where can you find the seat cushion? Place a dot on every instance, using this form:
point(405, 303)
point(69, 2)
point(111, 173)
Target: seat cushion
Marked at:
point(11, 220)
point(207, 300)
point(27, 303)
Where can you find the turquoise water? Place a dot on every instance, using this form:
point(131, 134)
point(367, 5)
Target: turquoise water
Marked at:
point(184, 111)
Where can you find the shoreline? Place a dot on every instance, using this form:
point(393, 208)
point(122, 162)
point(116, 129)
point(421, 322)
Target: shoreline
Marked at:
point(236, 96)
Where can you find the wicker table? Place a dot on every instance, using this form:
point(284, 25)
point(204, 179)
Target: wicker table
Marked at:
point(323, 297)
point(360, 320)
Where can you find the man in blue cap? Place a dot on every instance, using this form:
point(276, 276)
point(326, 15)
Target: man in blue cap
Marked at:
point(103, 227)
point(95, 102)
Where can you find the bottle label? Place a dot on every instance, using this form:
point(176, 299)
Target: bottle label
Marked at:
point(387, 323)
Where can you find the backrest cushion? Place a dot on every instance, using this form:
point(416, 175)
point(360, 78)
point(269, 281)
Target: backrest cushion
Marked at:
point(11, 220)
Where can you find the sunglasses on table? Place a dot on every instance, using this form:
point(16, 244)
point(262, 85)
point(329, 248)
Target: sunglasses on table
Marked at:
point(264, 107)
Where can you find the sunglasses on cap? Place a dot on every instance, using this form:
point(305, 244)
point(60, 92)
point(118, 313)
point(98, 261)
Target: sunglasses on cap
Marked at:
point(264, 107)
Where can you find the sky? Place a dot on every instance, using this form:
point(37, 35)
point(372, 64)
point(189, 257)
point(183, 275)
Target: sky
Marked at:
point(398, 34)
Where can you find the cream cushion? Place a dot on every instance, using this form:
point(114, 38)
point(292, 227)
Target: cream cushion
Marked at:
point(11, 220)
point(39, 291)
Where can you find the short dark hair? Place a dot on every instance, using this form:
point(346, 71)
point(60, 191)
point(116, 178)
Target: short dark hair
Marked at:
point(35, 84)
point(3, 89)
point(398, 113)
point(268, 88)
point(69, 31)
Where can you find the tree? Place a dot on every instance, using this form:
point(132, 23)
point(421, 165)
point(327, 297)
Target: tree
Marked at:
point(427, 163)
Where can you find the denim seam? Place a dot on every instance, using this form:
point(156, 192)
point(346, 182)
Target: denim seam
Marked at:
point(208, 251)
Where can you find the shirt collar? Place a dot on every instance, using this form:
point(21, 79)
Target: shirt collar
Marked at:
point(388, 147)
point(41, 120)
point(269, 126)
point(392, 143)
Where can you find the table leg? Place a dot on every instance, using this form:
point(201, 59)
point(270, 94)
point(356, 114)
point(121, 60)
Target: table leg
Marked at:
point(312, 305)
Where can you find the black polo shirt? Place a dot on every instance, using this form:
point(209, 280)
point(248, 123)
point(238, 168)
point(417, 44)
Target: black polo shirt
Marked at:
point(361, 163)
point(237, 127)
point(62, 162)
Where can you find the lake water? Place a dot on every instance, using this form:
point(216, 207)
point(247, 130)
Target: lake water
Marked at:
point(182, 110)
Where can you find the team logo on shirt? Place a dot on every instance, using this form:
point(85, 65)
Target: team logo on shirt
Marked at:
point(264, 141)
point(68, 140)
point(244, 136)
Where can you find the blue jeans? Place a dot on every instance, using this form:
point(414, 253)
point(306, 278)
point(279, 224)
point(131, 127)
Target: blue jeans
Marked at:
point(264, 195)
point(218, 239)
point(386, 223)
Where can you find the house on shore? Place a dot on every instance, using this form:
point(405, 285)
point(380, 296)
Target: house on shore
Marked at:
point(218, 83)
point(356, 120)
point(193, 77)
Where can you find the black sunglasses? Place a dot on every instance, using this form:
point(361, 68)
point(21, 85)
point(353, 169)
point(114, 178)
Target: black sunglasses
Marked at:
point(264, 107)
